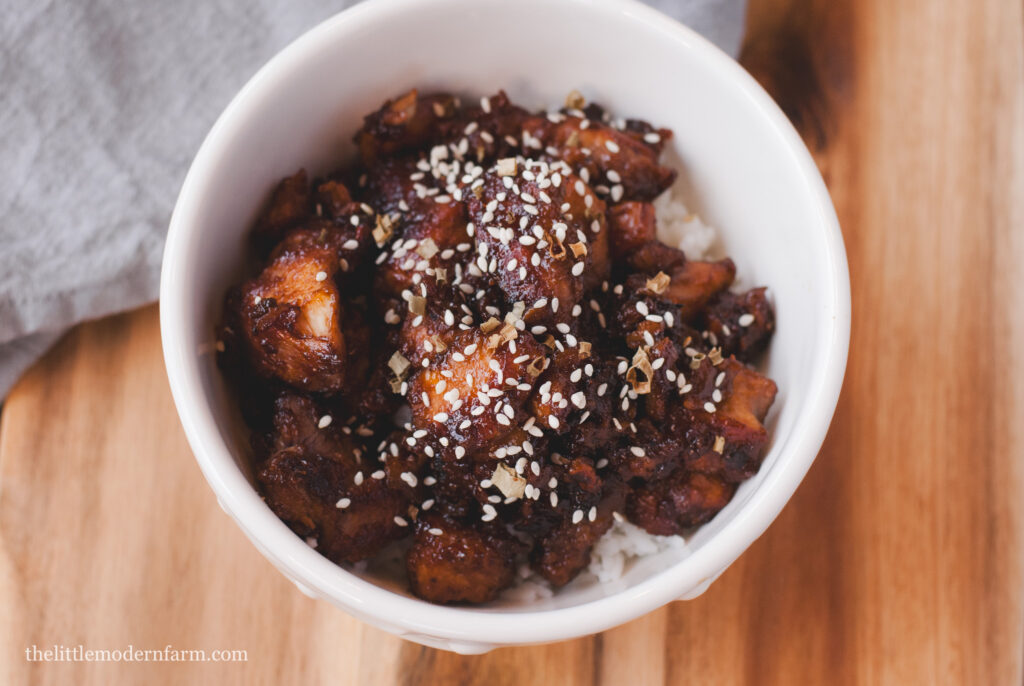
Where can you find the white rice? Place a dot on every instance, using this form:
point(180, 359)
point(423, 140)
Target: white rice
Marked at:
point(679, 227)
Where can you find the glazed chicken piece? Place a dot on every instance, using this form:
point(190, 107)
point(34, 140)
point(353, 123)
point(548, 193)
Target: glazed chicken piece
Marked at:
point(586, 513)
point(616, 160)
point(426, 336)
point(296, 424)
point(476, 392)
point(407, 122)
point(692, 284)
point(305, 489)
point(574, 387)
point(681, 501)
point(631, 225)
point(512, 476)
point(540, 236)
point(639, 314)
point(455, 562)
point(423, 240)
point(576, 400)
point(316, 481)
point(651, 453)
point(458, 481)
point(404, 465)
point(565, 551)
point(289, 206)
point(726, 436)
point(742, 323)
point(487, 130)
point(659, 402)
point(633, 239)
point(290, 316)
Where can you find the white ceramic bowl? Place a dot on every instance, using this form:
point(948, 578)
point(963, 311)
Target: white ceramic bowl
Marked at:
point(744, 168)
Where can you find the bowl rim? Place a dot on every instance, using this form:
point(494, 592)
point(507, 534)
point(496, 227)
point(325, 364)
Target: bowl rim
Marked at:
point(489, 626)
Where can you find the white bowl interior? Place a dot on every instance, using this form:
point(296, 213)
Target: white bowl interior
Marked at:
point(739, 166)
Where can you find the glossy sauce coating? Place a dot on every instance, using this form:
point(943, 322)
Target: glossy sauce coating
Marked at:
point(496, 271)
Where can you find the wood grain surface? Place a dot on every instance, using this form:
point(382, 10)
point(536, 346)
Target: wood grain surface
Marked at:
point(900, 560)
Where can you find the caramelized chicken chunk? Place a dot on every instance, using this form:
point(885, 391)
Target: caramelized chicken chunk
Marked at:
point(291, 315)
point(542, 242)
point(727, 406)
point(628, 168)
point(564, 551)
point(455, 562)
point(487, 130)
point(408, 121)
point(695, 283)
point(315, 481)
point(678, 503)
point(741, 322)
point(475, 393)
point(288, 207)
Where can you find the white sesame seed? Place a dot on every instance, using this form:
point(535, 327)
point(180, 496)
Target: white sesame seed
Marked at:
point(637, 450)
point(378, 475)
point(358, 478)
point(434, 531)
point(577, 269)
point(592, 515)
point(709, 407)
point(716, 395)
point(325, 421)
point(746, 319)
point(577, 516)
point(460, 452)
point(612, 146)
point(400, 521)
point(343, 503)
point(320, 276)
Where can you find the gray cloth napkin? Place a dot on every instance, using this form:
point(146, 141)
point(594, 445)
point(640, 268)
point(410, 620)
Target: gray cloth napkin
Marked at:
point(104, 104)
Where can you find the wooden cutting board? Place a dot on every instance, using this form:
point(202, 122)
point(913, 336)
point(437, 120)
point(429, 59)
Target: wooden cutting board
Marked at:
point(900, 560)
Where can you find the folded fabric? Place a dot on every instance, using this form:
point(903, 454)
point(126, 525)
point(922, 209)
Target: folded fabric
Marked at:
point(105, 103)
